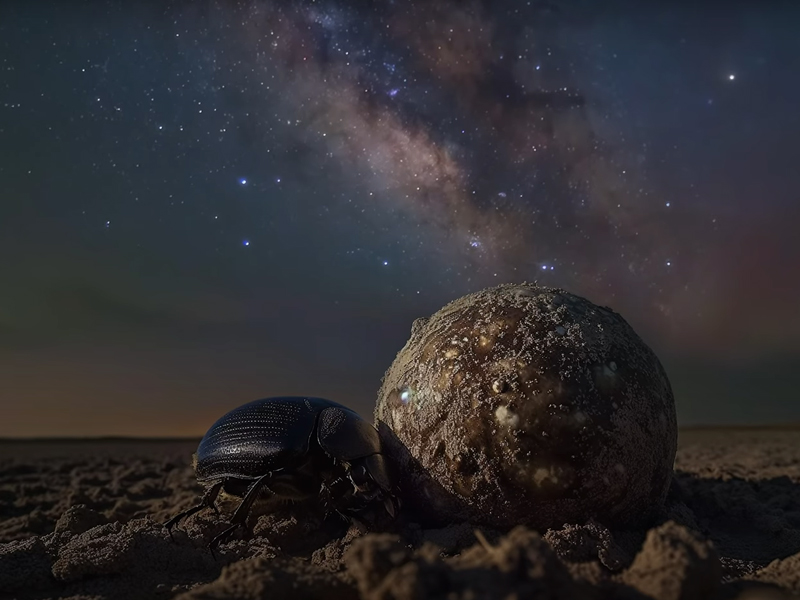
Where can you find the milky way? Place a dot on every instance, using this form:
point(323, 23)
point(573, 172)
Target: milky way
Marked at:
point(209, 202)
point(476, 126)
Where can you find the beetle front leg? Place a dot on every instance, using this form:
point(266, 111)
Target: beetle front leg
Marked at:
point(207, 501)
point(331, 492)
point(240, 516)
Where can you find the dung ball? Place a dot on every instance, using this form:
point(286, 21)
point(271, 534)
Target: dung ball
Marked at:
point(529, 405)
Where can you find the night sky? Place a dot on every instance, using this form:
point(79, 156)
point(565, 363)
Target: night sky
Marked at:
point(205, 203)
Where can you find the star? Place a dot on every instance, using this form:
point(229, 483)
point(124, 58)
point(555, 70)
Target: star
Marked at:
point(243, 181)
point(245, 242)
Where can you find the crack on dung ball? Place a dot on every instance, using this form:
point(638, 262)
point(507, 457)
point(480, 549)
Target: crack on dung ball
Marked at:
point(440, 450)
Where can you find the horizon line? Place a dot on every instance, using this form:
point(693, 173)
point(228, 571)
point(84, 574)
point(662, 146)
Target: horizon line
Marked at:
point(197, 438)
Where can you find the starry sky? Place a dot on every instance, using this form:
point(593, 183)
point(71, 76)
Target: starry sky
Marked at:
point(204, 203)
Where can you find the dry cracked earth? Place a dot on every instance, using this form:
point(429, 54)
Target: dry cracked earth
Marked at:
point(82, 520)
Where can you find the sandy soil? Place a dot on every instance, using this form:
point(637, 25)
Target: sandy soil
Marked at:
point(82, 520)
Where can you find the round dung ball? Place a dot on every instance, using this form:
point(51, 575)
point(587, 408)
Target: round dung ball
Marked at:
point(529, 405)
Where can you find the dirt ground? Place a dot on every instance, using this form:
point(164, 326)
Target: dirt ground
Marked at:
point(81, 520)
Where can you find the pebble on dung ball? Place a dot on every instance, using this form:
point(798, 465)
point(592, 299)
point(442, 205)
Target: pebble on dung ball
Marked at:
point(528, 405)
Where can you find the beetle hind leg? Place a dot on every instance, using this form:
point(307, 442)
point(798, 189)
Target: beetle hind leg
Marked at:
point(207, 501)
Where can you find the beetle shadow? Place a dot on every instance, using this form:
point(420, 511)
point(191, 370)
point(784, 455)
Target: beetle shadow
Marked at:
point(753, 520)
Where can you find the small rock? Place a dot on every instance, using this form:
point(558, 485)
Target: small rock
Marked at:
point(371, 558)
point(582, 543)
point(330, 557)
point(785, 573)
point(675, 563)
point(78, 519)
point(527, 566)
point(98, 551)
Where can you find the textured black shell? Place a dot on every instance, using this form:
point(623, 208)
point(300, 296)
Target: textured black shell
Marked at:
point(264, 435)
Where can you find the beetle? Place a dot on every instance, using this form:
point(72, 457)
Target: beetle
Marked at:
point(292, 448)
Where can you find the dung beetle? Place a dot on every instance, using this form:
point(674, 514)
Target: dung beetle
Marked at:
point(294, 448)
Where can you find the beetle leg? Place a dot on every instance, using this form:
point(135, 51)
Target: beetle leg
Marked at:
point(388, 503)
point(240, 516)
point(207, 501)
point(325, 497)
point(344, 517)
point(358, 477)
point(220, 537)
point(326, 494)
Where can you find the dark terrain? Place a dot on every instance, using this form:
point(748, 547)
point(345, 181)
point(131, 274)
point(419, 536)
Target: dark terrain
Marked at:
point(80, 519)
